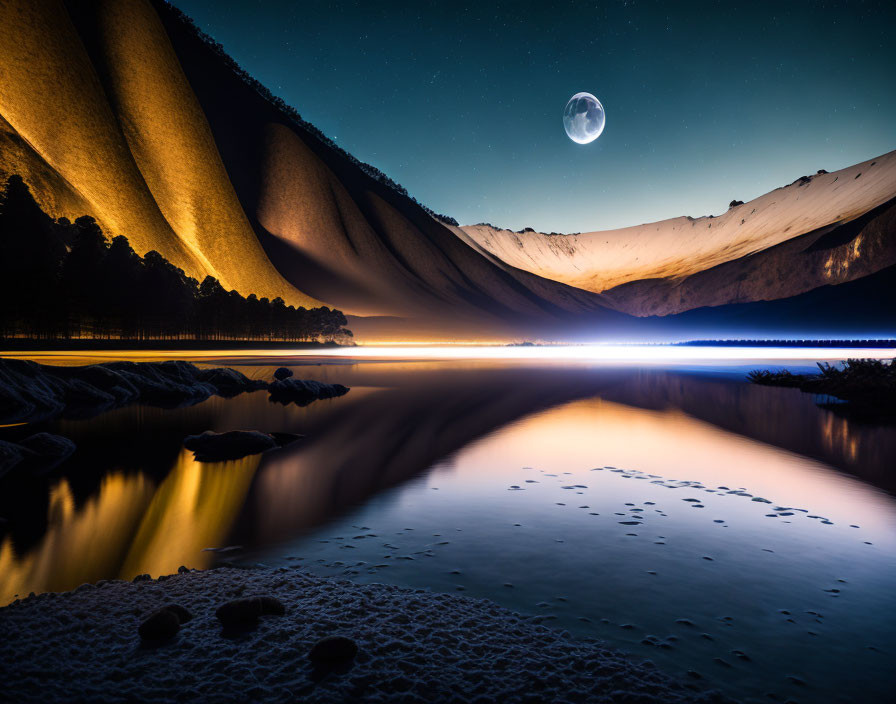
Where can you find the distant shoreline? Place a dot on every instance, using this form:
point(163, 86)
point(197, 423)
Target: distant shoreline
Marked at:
point(90, 345)
point(858, 344)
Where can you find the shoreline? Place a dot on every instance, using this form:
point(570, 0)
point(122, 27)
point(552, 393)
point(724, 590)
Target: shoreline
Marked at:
point(863, 388)
point(414, 644)
point(32, 392)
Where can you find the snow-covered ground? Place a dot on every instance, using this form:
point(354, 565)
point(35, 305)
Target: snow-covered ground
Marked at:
point(413, 646)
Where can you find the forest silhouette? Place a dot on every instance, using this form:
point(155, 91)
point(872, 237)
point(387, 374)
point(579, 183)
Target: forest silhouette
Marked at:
point(65, 280)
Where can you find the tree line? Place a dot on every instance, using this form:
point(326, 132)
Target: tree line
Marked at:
point(64, 280)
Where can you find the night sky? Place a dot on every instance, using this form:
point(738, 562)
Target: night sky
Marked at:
point(462, 104)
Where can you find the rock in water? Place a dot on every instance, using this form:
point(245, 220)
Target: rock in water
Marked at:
point(229, 382)
point(31, 391)
point(302, 392)
point(284, 439)
point(232, 445)
point(333, 649)
point(160, 626)
point(235, 444)
point(41, 452)
point(48, 448)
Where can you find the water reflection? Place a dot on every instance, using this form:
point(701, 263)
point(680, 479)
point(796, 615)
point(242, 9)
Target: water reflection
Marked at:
point(81, 544)
point(786, 418)
point(132, 501)
point(129, 527)
point(379, 438)
point(435, 446)
point(193, 509)
point(539, 516)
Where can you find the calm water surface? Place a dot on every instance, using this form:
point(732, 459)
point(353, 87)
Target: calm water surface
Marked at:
point(735, 531)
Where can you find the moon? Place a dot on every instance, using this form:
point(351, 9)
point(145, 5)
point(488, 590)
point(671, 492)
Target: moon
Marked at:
point(583, 118)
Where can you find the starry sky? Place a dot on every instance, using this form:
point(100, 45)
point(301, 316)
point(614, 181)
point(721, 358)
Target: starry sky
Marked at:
point(462, 103)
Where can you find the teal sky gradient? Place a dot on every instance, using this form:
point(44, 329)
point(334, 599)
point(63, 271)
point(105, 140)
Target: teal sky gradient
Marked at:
point(462, 104)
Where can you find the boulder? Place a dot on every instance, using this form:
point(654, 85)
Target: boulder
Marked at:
point(271, 606)
point(28, 392)
point(232, 445)
point(303, 391)
point(80, 393)
point(239, 613)
point(31, 391)
point(108, 381)
point(332, 650)
point(167, 384)
point(159, 626)
point(244, 613)
point(41, 452)
point(48, 449)
point(10, 455)
point(182, 614)
point(235, 444)
point(229, 382)
point(284, 439)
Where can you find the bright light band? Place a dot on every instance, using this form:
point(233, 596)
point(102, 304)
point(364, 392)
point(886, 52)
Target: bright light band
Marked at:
point(635, 354)
point(606, 353)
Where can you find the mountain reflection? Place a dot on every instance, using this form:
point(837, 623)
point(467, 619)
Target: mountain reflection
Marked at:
point(193, 509)
point(81, 544)
point(130, 527)
point(132, 501)
point(385, 437)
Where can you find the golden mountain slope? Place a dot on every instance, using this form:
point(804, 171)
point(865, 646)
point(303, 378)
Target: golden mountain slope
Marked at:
point(120, 133)
point(118, 109)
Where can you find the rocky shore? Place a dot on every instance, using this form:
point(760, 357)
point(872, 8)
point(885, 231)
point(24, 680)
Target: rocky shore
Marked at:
point(31, 392)
point(860, 387)
point(317, 640)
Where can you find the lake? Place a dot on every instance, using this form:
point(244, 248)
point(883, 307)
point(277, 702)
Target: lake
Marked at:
point(734, 532)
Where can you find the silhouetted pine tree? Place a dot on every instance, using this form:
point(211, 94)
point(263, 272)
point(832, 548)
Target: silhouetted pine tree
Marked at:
point(30, 253)
point(121, 272)
point(81, 289)
point(212, 308)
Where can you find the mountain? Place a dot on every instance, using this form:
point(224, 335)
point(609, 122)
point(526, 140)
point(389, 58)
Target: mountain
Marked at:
point(124, 110)
point(819, 230)
point(102, 121)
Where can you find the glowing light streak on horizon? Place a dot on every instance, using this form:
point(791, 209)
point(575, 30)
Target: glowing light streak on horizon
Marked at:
point(608, 353)
point(626, 354)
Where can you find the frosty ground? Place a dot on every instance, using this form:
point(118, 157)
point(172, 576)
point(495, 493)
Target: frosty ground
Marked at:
point(413, 645)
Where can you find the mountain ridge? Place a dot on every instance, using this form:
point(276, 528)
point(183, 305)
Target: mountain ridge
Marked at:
point(601, 260)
